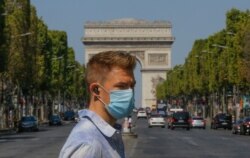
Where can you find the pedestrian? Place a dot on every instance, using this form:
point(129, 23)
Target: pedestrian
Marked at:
point(110, 83)
point(130, 123)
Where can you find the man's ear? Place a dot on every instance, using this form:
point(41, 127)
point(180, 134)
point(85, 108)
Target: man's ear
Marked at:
point(94, 89)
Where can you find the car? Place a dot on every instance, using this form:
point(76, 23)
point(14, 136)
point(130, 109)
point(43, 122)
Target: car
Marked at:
point(156, 119)
point(162, 113)
point(69, 115)
point(28, 123)
point(141, 114)
point(222, 120)
point(245, 126)
point(198, 122)
point(135, 110)
point(236, 126)
point(55, 120)
point(180, 119)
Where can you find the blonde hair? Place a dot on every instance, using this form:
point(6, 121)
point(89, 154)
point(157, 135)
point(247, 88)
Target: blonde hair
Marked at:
point(100, 64)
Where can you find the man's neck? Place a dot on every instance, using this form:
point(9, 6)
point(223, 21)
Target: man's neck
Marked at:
point(102, 113)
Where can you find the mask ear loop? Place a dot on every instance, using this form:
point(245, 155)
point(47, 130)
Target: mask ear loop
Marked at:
point(98, 97)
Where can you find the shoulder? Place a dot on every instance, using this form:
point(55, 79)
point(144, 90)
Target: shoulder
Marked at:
point(82, 150)
point(84, 131)
point(83, 140)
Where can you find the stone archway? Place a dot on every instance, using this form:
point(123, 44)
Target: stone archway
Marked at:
point(150, 42)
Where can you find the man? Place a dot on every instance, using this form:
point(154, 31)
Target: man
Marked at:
point(110, 81)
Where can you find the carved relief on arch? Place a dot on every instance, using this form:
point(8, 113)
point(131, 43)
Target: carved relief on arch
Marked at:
point(158, 59)
point(140, 55)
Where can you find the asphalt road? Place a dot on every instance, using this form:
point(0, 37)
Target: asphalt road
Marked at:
point(46, 143)
point(179, 143)
point(150, 143)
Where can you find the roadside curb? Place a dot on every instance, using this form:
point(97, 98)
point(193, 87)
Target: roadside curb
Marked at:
point(7, 132)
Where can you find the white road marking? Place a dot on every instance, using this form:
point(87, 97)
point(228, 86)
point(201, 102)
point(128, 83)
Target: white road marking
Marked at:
point(190, 141)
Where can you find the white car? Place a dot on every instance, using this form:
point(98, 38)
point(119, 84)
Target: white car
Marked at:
point(156, 119)
point(141, 114)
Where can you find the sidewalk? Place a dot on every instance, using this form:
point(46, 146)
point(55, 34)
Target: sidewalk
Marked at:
point(7, 131)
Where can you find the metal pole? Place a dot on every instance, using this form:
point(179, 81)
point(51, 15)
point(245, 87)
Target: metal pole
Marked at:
point(223, 100)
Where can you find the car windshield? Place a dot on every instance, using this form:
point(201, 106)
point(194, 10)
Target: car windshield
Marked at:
point(28, 119)
point(247, 119)
point(239, 121)
point(162, 113)
point(181, 115)
point(197, 118)
point(55, 117)
point(224, 117)
point(155, 115)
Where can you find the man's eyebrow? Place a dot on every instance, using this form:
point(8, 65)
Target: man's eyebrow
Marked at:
point(121, 83)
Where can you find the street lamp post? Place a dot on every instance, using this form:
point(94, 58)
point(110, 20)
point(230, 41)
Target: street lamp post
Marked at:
point(210, 87)
point(224, 104)
point(59, 84)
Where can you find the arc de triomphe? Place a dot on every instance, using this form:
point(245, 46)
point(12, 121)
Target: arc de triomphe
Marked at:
point(149, 41)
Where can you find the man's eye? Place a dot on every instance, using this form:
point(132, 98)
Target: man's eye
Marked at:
point(123, 86)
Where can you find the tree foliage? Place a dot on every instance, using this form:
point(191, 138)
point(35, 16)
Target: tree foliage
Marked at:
point(36, 59)
point(220, 61)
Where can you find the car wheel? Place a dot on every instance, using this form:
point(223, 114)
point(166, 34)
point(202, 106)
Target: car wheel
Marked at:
point(188, 128)
point(149, 126)
point(162, 126)
point(172, 128)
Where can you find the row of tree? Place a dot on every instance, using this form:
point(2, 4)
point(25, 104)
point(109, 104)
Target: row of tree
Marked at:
point(35, 61)
point(218, 64)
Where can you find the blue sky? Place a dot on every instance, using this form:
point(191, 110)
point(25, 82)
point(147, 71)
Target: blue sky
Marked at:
point(191, 19)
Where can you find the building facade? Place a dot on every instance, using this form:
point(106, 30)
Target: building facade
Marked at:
point(149, 41)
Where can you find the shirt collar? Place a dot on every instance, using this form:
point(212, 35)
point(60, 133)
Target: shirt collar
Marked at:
point(102, 125)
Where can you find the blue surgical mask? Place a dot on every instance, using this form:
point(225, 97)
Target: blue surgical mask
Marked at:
point(121, 103)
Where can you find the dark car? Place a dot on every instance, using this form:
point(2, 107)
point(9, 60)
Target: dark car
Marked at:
point(236, 126)
point(55, 120)
point(180, 120)
point(222, 120)
point(28, 123)
point(69, 115)
point(245, 126)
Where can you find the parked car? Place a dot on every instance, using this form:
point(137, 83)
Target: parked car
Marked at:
point(222, 120)
point(198, 122)
point(236, 126)
point(245, 126)
point(156, 119)
point(69, 115)
point(55, 120)
point(141, 114)
point(28, 123)
point(180, 120)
